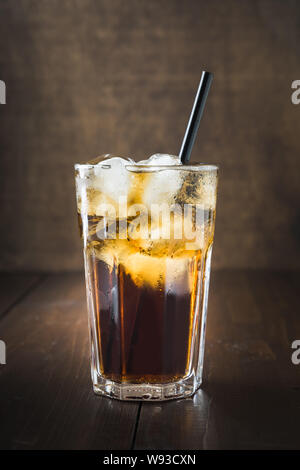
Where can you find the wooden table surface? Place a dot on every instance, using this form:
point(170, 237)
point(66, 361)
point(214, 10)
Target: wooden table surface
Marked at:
point(250, 397)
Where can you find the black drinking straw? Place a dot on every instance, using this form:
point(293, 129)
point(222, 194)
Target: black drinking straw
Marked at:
point(195, 117)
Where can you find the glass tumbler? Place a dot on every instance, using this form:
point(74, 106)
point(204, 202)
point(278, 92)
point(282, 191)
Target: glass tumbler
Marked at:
point(147, 236)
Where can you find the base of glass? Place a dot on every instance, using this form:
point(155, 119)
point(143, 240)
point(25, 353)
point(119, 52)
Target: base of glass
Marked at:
point(146, 392)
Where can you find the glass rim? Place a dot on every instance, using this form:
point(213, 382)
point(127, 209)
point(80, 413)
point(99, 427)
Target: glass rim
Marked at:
point(194, 166)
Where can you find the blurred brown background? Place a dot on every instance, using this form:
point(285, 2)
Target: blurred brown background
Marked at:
point(90, 77)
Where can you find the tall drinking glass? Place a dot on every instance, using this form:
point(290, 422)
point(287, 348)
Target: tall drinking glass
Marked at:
point(147, 233)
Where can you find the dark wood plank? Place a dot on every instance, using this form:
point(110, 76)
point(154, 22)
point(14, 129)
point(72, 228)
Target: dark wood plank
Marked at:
point(13, 287)
point(46, 397)
point(278, 292)
point(247, 401)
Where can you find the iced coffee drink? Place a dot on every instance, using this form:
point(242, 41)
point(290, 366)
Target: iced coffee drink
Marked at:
point(147, 230)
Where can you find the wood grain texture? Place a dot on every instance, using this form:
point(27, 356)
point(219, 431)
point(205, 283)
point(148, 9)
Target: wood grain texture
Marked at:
point(250, 397)
point(13, 287)
point(90, 77)
point(46, 397)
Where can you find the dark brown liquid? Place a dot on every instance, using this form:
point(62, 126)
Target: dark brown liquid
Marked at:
point(144, 333)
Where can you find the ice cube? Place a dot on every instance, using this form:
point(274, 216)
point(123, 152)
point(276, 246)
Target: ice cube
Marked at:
point(163, 184)
point(111, 176)
point(105, 183)
point(161, 159)
point(179, 277)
